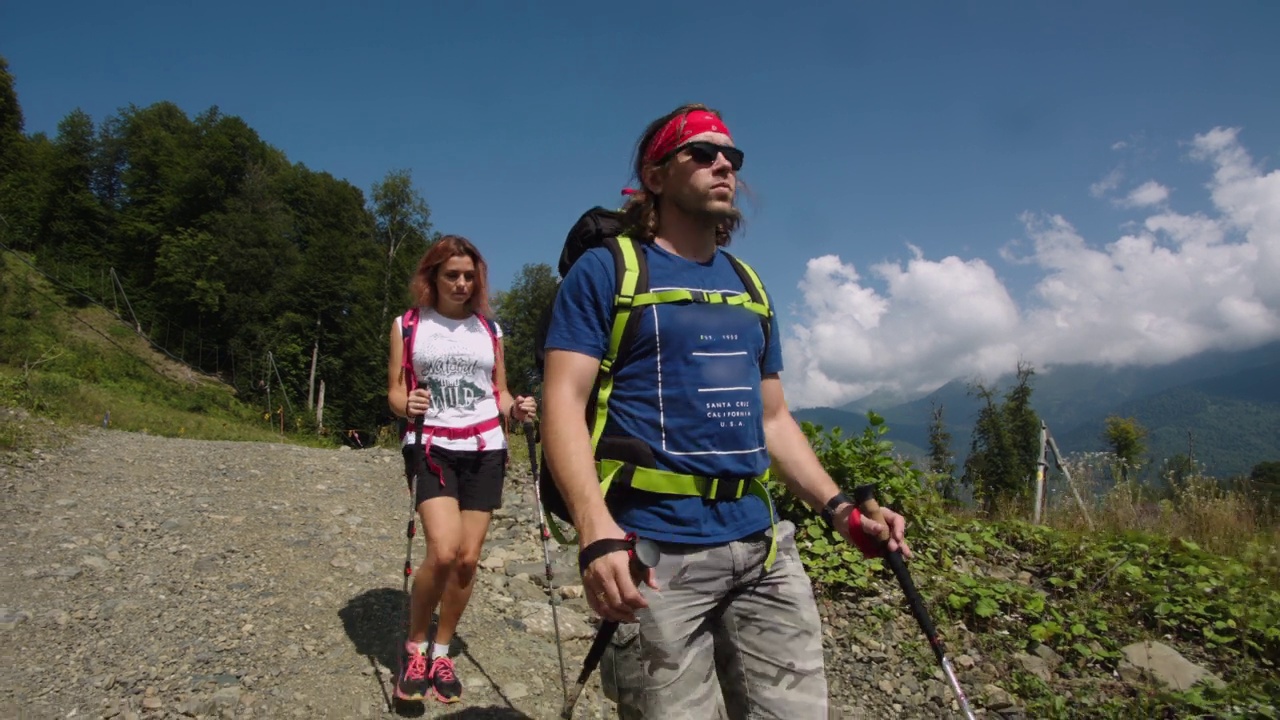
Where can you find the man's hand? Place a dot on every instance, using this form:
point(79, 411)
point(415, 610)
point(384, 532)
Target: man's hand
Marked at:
point(608, 581)
point(871, 529)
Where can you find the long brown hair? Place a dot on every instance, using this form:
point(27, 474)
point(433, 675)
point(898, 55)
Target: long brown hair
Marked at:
point(640, 212)
point(422, 288)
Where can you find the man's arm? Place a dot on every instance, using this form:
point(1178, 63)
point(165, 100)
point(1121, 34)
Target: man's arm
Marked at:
point(803, 473)
point(568, 379)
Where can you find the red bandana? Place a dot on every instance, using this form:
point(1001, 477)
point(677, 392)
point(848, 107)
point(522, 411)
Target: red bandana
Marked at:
point(679, 129)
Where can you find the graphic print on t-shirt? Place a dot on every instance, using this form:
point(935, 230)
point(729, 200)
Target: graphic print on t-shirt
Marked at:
point(449, 378)
point(706, 371)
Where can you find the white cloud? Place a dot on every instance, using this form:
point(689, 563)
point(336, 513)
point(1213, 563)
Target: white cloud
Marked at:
point(1174, 285)
point(1109, 182)
point(1148, 193)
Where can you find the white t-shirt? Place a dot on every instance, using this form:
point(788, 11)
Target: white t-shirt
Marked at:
point(454, 360)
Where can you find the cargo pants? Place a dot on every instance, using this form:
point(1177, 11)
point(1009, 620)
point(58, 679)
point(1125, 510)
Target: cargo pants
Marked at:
point(722, 637)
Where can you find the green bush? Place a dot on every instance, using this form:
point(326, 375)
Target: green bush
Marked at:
point(1084, 594)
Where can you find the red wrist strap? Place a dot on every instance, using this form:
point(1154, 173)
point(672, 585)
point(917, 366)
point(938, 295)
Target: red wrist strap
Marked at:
point(869, 546)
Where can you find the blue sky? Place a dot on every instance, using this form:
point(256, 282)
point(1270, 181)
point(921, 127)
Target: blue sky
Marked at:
point(941, 188)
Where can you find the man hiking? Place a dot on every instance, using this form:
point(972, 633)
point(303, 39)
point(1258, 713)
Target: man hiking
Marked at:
point(694, 413)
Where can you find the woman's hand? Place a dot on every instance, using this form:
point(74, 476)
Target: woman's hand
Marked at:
point(524, 409)
point(418, 403)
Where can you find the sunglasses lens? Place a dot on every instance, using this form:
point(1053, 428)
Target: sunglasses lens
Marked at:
point(734, 156)
point(705, 153)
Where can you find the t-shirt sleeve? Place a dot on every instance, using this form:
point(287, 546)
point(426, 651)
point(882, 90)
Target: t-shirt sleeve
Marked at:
point(582, 313)
point(773, 351)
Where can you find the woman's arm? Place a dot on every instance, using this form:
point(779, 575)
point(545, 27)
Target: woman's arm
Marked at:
point(397, 390)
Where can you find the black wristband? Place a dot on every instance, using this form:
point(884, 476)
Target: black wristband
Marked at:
point(829, 511)
point(642, 552)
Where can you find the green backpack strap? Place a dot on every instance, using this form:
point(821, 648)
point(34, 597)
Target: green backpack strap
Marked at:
point(759, 303)
point(632, 273)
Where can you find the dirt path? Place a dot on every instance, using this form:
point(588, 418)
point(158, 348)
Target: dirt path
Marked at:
point(146, 577)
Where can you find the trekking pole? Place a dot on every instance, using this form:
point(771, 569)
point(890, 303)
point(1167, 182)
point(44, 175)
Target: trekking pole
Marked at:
point(546, 552)
point(410, 531)
point(864, 497)
point(644, 555)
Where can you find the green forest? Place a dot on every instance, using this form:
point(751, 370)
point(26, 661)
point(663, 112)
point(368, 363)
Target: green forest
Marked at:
point(228, 256)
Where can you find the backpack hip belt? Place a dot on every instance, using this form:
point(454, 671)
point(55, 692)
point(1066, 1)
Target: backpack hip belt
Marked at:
point(618, 473)
point(477, 431)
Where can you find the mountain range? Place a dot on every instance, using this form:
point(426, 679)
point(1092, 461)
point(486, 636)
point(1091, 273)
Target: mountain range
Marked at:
point(1220, 407)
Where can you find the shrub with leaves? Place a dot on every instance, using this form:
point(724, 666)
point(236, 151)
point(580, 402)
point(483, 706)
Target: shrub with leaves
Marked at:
point(852, 461)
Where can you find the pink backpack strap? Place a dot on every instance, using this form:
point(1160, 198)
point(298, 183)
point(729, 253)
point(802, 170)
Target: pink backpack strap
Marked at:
point(493, 338)
point(408, 331)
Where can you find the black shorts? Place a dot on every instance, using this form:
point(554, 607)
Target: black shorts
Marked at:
point(473, 478)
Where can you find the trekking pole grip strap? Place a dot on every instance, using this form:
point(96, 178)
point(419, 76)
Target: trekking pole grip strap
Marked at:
point(600, 548)
point(642, 553)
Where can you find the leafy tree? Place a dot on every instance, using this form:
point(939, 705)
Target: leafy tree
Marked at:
point(941, 461)
point(1024, 424)
point(20, 175)
point(1005, 445)
point(12, 142)
point(72, 221)
point(403, 222)
point(519, 311)
point(986, 469)
point(1177, 468)
point(1126, 438)
point(338, 280)
point(156, 143)
point(1265, 478)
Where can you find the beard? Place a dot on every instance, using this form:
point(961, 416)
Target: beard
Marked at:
point(702, 206)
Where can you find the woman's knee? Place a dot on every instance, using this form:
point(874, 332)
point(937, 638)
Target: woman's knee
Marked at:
point(443, 556)
point(468, 561)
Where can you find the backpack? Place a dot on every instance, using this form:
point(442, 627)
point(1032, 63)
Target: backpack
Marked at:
point(626, 461)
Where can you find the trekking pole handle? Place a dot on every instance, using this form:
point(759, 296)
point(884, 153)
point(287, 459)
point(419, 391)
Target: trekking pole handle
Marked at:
point(864, 497)
point(644, 555)
point(533, 448)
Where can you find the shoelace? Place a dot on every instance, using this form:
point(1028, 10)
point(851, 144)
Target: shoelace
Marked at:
point(417, 668)
point(442, 668)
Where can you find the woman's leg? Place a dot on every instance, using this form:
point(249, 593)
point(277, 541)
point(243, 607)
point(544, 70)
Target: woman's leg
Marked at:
point(474, 527)
point(479, 476)
point(441, 523)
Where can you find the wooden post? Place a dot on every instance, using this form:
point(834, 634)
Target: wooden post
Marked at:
point(311, 382)
point(1041, 468)
point(1057, 459)
point(320, 411)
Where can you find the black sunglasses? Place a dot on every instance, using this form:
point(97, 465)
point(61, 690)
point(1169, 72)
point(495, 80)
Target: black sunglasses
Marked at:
point(704, 153)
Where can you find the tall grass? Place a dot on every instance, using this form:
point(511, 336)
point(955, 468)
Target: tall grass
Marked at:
point(82, 366)
point(1226, 519)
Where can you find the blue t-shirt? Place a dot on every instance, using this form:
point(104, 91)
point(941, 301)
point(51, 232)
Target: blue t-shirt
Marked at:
point(690, 389)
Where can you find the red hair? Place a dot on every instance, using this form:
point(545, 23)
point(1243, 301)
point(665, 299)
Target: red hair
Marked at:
point(422, 288)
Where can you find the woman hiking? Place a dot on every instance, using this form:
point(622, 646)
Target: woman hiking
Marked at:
point(455, 381)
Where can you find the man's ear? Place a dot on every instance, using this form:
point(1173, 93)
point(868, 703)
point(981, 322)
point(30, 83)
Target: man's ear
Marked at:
point(653, 178)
